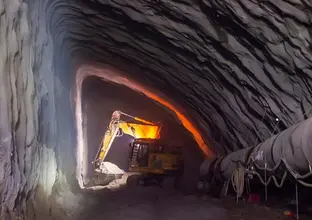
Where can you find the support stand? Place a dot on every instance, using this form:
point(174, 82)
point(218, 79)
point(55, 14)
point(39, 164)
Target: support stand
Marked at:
point(297, 201)
point(265, 180)
point(225, 188)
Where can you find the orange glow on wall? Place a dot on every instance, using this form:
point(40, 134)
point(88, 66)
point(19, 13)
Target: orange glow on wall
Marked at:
point(140, 131)
point(112, 75)
point(185, 122)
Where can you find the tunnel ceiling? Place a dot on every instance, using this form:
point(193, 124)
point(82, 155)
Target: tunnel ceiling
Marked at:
point(235, 66)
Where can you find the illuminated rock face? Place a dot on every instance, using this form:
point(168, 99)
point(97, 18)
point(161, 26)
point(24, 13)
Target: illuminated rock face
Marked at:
point(19, 154)
point(233, 67)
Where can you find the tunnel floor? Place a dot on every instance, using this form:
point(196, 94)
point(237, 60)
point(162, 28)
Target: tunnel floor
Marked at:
point(153, 202)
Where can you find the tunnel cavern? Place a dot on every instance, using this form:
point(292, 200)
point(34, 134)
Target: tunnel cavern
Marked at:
point(228, 82)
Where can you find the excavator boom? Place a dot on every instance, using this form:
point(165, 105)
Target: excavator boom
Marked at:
point(107, 141)
point(137, 118)
point(117, 127)
point(144, 121)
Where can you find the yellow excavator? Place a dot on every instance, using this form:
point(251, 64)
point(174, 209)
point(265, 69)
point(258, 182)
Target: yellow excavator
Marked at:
point(147, 154)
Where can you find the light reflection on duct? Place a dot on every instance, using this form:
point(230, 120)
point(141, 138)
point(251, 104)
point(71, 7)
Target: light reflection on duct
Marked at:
point(112, 75)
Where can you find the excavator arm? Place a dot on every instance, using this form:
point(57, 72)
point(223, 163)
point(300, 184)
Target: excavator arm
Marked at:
point(117, 128)
point(107, 141)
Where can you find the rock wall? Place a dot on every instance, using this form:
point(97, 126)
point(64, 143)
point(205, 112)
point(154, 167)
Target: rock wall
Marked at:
point(32, 149)
point(241, 70)
point(19, 108)
point(234, 66)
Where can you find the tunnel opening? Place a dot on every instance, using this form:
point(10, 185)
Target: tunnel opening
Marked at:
point(99, 100)
point(179, 48)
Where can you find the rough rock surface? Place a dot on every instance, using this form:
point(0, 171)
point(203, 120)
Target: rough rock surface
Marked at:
point(233, 66)
point(19, 154)
point(30, 141)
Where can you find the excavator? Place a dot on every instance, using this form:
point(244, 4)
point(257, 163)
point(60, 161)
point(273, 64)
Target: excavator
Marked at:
point(147, 154)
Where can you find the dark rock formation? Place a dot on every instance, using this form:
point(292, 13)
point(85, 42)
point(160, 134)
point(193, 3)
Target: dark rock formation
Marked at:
point(240, 70)
point(236, 66)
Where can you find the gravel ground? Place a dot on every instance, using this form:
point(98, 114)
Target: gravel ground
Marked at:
point(153, 203)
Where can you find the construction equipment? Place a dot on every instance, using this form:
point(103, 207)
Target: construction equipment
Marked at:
point(148, 155)
point(151, 156)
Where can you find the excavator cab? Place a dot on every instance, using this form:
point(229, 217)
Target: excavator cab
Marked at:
point(150, 156)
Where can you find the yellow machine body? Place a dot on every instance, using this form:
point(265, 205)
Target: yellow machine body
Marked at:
point(147, 154)
point(151, 157)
